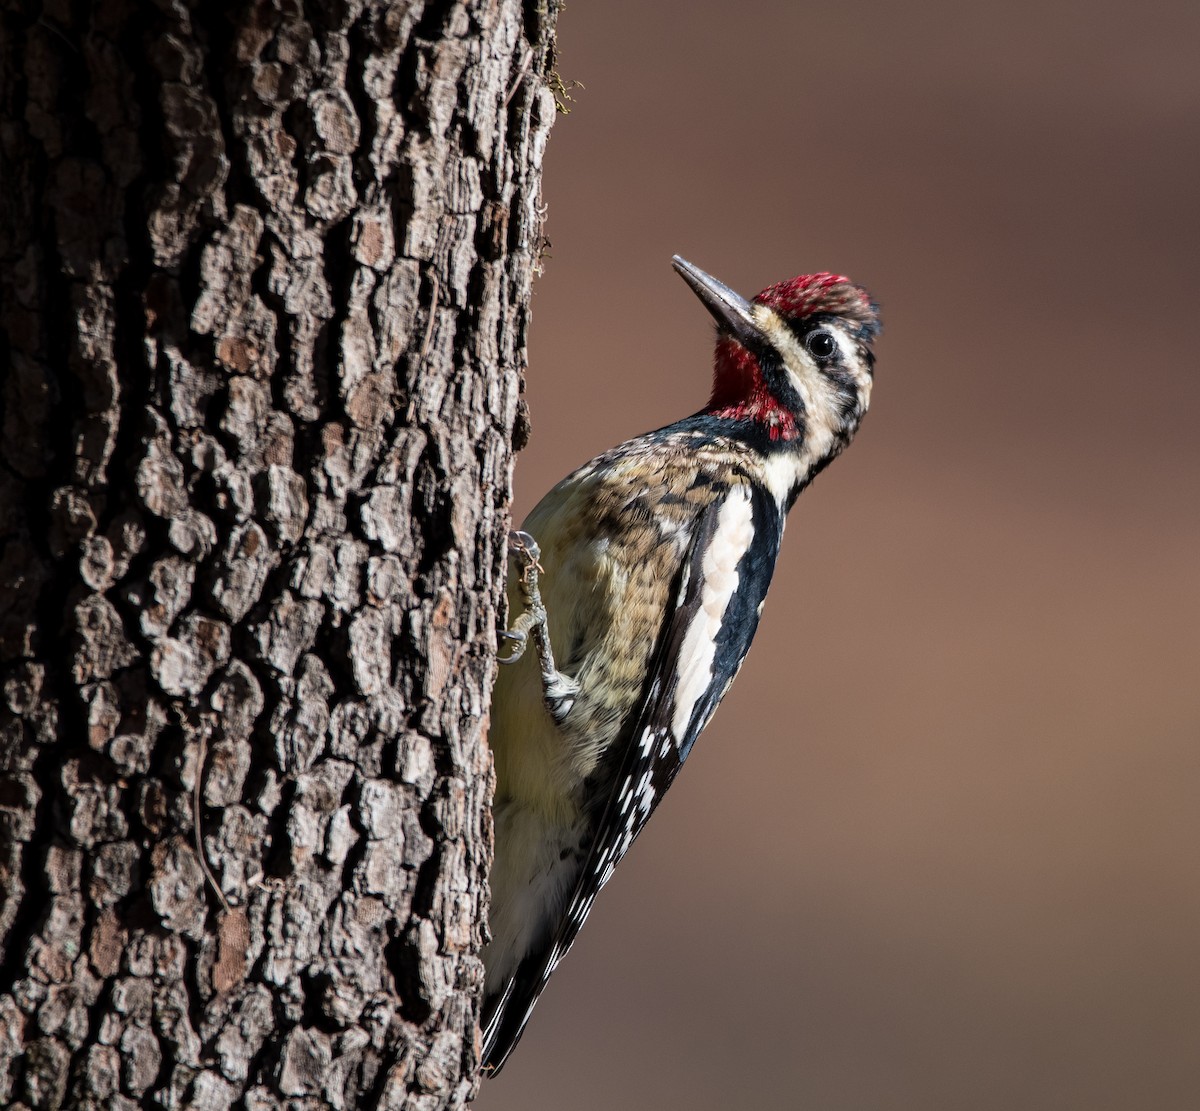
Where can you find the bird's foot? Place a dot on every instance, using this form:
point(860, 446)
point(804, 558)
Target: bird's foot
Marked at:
point(523, 546)
point(558, 690)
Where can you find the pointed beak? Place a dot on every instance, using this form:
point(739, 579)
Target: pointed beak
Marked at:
point(730, 310)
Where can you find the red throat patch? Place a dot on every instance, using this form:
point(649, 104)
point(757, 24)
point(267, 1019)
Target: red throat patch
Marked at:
point(740, 392)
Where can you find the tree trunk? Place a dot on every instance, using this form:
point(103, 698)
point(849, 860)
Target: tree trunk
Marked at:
point(265, 280)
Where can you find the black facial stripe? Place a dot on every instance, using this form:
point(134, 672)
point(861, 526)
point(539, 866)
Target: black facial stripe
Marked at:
point(805, 326)
point(863, 333)
point(779, 382)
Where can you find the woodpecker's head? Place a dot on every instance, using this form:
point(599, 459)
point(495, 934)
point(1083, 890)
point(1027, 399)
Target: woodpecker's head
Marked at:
point(795, 361)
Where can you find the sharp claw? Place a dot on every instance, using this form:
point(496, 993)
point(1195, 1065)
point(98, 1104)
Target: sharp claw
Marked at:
point(521, 640)
point(558, 691)
point(527, 548)
point(525, 544)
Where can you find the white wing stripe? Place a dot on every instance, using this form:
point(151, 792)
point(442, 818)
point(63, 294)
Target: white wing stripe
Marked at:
point(732, 536)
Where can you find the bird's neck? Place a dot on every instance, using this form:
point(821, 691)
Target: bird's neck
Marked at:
point(741, 392)
point(782, 467)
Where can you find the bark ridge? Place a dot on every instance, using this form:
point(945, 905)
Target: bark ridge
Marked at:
point(264, 284)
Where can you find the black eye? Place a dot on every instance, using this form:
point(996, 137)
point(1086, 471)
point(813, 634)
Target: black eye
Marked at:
point(821, 345)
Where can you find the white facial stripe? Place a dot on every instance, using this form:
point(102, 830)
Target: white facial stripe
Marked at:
point(797, 361)
point(820, 396)
point(815, 390)
point(847, 346)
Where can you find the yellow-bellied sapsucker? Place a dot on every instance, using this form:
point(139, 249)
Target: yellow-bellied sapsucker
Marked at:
point(644, 574)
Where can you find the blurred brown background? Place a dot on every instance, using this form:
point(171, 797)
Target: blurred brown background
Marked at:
point(940, 848)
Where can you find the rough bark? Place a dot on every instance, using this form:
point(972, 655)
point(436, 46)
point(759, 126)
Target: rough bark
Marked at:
point(265, 278)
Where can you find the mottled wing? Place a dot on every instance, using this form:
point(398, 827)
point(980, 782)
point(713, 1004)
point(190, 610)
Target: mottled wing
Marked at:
point(718, 599)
